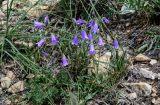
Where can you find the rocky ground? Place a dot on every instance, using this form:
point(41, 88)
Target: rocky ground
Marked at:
point(141, 84)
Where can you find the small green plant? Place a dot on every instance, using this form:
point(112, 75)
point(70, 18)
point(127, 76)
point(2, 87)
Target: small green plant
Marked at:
point(118, 66)
point(60, 59)
point(153, 42)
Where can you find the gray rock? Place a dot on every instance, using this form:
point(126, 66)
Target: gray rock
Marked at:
point(142, 58)
point(5, 82)
point(10, 75)
point(17, 87)
point(1, 91)
point(156, 101)
point(143, 72)
point(8, 102)
point(158, 76)
point(153, 61)
point(132, 96)
point(147, 74)
point(141, 88)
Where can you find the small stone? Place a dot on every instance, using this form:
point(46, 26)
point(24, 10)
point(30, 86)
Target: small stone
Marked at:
point(104, 60)
point(153, 94)
point(132, 96)
point(109, 39)
point(91, 102)
point(156, 101)
point(10, 74)
point(16, 100)
point(1, 91)
point(4, 5)
point(2, 15)
point(158, 76)
point(153, 100)
point(5, 82)
point(8, 102)
point(30, 76)
point(147, 74)
point(128, 31)
point(17, 87)
point(153, 61)
point(154, 90)
point(142, 58)
point(20, 43)
point(128, 24)
point(141, 88)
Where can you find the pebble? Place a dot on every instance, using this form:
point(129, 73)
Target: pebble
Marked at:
point(132, 96)
point(153, 61)
point(91, 102)
point(30, 76)
point(147, 74)
point(153, 94)
point(142, 72)
point(154, 90)
point(103, 64)
point(158, 76)
point(17, 87)
point(128, 24)
point(156, 101)
point(8, 102)
point(141, 88)
point(5, 82)
point(109, 39)
point(4, 5)
point(142, 58)
point(11, 75)
point(1, 91)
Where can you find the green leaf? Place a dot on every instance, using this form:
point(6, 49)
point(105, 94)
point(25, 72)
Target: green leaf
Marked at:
point(73, 99)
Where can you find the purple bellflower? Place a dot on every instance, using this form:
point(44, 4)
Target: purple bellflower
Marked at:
point(79, 21)
point(90, 37)
point(95, 28)
point(64, 61)
point(75, 40)
point(40, 43)
point(38, 25)
point(100, 42)
point(54, 39)
point(91, 49)
point(45, 54)
point(105, 20)
point(46, 20)
point(115, 44)
point(84, 34)
point(91, 23)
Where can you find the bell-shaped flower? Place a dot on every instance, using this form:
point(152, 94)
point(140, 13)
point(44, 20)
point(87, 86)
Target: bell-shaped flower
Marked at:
point(90, 37)
point(95, 28)
point(100, 42)
point(65, 61)
point(79, 21)
point(46, 20)
point(54, 39)
point(105, 20)
point(38, 25)
point(84, 35)
point(91, 23)
point(40, 43)
point(45, 54)
point(75, 40)
point(115, 44)
point(91, 49)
